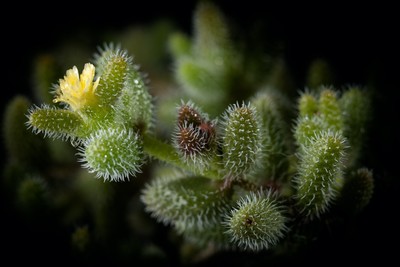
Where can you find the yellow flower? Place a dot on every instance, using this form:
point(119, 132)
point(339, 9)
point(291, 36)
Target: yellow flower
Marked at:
point(78, 91)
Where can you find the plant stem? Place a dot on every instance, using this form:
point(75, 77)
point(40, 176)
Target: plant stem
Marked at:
point(167, 153)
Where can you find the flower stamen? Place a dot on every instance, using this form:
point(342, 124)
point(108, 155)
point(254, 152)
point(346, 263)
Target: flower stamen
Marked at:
point(78, 91)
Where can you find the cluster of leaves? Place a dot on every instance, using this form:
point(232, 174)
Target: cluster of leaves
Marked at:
point(243, 166)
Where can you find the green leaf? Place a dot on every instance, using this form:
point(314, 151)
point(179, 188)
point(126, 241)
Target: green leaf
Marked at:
point(113, 66)
point(56, 123)
point(134, 107)
point(257, 222)
point(114, 154)
point(320, 173)
point(242, 139)
point(355, 104)
point(187, 203)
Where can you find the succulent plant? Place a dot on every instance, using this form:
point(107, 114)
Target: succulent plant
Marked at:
point(233, 162)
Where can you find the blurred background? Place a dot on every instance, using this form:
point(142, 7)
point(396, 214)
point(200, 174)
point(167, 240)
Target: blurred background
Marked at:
point(357, 41)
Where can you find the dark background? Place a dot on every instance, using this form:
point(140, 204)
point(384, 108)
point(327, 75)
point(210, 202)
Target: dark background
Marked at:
point(358, 41)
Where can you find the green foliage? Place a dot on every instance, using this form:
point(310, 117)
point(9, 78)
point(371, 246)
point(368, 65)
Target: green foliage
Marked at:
point(22, 146)
point(179, 45)
point(357, 191)
point(114, 65)
point(101, 116)
point(257, 222)
point(113, 154)
point(355, 104)
point(31, 194)
point(241, 140)
point(275, 138)
point(61, 124)
point(308, 104)
point(329, 110)
point(134, 106)
point(167, 198)
point(319, 173)
point(319, 73)
point(224, 159)
point(210, 64)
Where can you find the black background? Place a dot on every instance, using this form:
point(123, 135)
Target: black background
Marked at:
point(358, 40)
